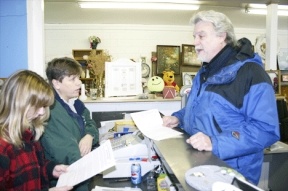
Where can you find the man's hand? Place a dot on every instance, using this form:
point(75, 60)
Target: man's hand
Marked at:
point(85, 144)
point(200, 141)
point(170, 121)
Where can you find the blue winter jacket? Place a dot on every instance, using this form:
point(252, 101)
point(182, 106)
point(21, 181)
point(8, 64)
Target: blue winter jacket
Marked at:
point(233, 102)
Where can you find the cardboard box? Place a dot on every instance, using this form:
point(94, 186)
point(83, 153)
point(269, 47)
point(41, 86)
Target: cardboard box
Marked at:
point(125, 126)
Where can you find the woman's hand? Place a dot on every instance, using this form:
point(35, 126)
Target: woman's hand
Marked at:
point(85, 144)
point(170, 121)
point(59, 169)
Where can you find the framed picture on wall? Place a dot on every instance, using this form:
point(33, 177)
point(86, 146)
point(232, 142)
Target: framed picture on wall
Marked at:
point(189, 55)
point(284, 78)
point(187, 78)
point(125, 78)
point(283, 59)
point(275, 79)
point(168, 58)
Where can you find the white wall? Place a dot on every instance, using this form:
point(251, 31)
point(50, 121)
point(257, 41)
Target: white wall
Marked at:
point(128, 41)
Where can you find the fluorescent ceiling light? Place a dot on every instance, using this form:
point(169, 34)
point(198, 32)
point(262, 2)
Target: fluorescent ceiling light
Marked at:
point(129, 4)
point(264, 12)
point(261, 9)
point(263, 6)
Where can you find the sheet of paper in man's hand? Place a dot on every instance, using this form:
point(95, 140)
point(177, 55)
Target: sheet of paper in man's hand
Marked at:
point(150, 124)
point(91, 164)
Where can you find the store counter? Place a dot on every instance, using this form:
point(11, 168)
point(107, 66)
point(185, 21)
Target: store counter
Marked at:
point(115, 108)
point(275, 168)
point(115, 183)
point(166, 106)
point(177, 157)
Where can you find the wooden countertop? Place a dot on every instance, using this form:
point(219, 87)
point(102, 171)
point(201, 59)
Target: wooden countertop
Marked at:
point(130, 99)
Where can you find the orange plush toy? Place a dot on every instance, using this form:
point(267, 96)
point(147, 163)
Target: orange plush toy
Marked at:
point(168, 77)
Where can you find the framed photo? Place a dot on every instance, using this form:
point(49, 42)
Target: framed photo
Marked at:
point(168, 58)
point(283, 59)
point(189, 55)
point(125, 78)
point(275, 79)
point(187, 78)
point(284, 78)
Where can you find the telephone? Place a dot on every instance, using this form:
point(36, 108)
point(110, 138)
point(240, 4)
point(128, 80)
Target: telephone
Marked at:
point(126, 140)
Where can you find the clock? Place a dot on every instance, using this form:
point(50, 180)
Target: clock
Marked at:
point(145, 70)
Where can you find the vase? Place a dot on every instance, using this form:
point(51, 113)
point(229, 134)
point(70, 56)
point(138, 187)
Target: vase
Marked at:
point(100, 84)
point(94, 45)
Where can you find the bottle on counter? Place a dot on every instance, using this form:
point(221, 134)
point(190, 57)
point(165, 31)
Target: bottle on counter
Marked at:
point(151, 181)
point(162, 184)
point(136, 177)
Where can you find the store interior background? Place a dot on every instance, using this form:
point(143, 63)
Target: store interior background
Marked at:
point(136, 33)
point(124, 33)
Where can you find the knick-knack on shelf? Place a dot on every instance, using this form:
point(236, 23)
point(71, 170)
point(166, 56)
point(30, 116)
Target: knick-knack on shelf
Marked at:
point(94, 41)
point(83, 95)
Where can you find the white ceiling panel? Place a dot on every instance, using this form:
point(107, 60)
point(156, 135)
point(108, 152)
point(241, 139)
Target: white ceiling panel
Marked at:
point(68, 12)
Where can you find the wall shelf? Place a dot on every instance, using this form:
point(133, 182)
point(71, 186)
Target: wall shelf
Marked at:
point(78, 56)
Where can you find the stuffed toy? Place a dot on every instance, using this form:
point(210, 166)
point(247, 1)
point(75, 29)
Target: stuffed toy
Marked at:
point(155, 84)
point(168, 77)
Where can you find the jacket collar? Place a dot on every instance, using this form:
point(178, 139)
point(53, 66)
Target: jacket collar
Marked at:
point(224, 66)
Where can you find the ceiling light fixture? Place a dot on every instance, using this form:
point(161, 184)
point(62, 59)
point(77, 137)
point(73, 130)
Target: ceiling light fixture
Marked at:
point(130, 4)
point(261, 9)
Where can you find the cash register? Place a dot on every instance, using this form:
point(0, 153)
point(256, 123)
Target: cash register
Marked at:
point(129, 149)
